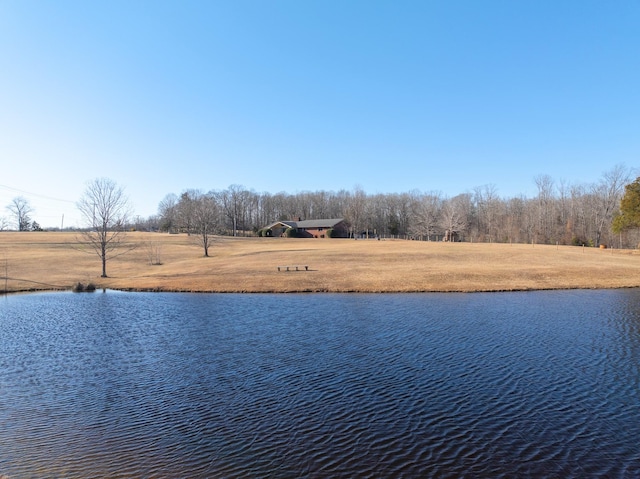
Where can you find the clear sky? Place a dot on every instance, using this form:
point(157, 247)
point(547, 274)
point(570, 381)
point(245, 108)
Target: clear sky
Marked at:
point(291, 95)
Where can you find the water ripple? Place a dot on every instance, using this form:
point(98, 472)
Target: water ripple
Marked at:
point(140, 385)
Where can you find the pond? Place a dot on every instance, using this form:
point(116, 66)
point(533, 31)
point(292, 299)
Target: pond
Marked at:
point(113, 384)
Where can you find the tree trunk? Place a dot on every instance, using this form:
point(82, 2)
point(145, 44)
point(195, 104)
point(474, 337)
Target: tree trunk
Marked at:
point(103, 256)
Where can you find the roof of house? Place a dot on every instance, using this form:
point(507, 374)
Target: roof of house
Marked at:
point(329, 223)
point(326, 223)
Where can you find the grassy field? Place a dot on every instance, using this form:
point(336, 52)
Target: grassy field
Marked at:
point(44, 261)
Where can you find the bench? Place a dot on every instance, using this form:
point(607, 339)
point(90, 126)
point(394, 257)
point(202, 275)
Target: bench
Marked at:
point(291, 268)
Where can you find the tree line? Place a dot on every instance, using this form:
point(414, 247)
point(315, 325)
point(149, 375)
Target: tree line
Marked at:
point(603, 213)
point(559, 213)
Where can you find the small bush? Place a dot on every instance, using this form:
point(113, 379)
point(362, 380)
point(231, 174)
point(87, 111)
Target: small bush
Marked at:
point(576, 241)
point(291, 233)
point(154, 253)
point(81, 288)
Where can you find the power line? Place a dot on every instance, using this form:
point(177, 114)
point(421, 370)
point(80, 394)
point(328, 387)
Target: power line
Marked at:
point(36, 194)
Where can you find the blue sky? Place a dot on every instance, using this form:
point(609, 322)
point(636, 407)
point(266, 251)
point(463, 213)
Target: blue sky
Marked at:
point(387, 96)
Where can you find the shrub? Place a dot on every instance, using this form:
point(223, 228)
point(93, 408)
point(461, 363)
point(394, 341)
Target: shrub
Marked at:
point(81, 288)
point(330, 233)
point(265, 232)
point(291, 233)
point(576, 241)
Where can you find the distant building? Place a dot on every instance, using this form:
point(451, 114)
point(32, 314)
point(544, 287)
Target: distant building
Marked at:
point(311, 228)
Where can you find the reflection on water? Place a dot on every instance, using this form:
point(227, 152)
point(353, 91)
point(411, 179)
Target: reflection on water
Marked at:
point(539, 384)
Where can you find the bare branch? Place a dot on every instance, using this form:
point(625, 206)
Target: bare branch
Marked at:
point(105, 209)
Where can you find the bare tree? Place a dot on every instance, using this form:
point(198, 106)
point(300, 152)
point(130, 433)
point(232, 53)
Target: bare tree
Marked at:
point(608, 193)
point(105, 209)
point(234, 202)
point(168, 212)
point(154, 253)
point(355, 210)
point(378, 214)
point(578, 224)
point(545, 206)
point(563, 209)
point(185, 208)
point(426, 214)
point(21, 210)
point(514, 226)
point(487, 206)
point(205, 219)
point(455, 214)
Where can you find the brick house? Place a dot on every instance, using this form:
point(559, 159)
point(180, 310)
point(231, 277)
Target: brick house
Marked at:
point(311, 228)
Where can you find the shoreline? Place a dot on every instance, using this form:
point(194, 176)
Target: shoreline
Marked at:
point(319, 292)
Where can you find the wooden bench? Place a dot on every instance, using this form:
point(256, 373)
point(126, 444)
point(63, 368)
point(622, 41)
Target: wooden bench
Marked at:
point(291, 268)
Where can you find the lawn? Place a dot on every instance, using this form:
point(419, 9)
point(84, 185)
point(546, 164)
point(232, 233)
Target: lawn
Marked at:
point(55, 260)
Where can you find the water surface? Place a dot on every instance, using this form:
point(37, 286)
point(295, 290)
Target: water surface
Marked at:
point(531, 384)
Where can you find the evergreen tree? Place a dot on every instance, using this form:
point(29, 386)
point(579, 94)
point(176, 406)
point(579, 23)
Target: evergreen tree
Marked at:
point(629, 216)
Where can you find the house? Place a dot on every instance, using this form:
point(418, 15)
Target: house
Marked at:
point(310, 228)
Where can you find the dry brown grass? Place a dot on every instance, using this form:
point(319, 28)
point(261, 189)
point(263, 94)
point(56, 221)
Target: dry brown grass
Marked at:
point(41, 261)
